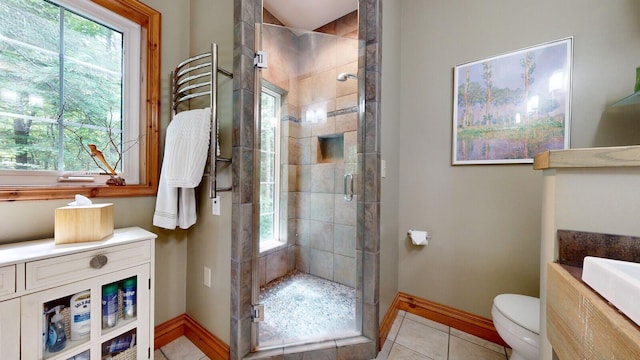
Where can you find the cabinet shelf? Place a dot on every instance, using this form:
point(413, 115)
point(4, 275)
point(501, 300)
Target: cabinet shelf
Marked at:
point(73, 348)
point(122, 327)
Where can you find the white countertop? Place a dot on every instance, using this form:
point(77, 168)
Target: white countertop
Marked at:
point(37, 249)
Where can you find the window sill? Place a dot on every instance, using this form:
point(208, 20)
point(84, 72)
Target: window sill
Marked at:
point(270, 245)
point(15, 193)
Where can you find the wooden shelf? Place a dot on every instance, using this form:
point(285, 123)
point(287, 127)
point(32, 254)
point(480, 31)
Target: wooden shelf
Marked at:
point(615, 156)
point(632, 99)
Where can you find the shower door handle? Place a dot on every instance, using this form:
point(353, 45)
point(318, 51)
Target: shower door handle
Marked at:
point(348, 186)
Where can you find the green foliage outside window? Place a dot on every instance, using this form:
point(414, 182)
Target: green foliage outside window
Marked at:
point(60, 88)
point(268, 165)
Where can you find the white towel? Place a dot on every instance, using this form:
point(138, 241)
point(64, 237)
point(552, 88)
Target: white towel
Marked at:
point(174, 207)
point(186, 148)
point(185, 156)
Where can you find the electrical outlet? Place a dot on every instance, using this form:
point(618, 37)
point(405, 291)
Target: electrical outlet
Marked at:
point(207, 277)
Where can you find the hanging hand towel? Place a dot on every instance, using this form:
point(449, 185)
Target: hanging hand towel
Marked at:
point(185, 156)
point(186, 148)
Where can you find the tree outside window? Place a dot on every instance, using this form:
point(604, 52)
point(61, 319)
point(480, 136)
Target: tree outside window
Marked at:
point(61, 85)
point(269, 119)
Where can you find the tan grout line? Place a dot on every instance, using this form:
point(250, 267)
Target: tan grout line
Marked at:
point(163, 354)
point(449, 344)
point(504, 351)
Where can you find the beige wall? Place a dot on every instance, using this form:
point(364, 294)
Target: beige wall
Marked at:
point(171, 246)
point(390, 144)
point(485, 220)
point(30, 220)
point(210, 246)
point(210, 239)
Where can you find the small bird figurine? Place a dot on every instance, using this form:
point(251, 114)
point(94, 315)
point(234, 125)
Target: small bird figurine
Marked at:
point(97, 153)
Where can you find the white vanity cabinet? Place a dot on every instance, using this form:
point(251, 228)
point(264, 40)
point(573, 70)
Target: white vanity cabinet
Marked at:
point(46, 278)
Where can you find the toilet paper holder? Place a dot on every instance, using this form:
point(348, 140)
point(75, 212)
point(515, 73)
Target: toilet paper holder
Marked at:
point(419, 237)
point(411, 230)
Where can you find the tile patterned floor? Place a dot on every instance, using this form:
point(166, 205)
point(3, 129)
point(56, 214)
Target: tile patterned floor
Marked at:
point(416, 338)
point(179, 349)
point(411, 338)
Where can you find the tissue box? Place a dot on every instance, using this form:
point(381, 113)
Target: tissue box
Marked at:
point(75, 224)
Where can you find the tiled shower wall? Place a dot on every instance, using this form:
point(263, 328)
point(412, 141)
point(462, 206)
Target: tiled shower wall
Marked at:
point(318, 147)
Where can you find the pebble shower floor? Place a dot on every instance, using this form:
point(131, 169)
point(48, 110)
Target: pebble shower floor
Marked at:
point(300, 307)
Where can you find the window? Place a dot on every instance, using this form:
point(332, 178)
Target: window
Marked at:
point(72, 74)
point(269, 168)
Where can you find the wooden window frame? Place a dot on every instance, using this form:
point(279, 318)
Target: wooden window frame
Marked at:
point(149, 21)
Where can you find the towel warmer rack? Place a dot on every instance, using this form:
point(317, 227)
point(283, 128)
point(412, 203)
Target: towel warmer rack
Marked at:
point(197, 77)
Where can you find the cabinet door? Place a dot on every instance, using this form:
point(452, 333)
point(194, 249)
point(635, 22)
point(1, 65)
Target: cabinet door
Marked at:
point(100, 340)
point(131, 334)
point(9, 325)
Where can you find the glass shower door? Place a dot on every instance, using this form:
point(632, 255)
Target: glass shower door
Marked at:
point(305, 268)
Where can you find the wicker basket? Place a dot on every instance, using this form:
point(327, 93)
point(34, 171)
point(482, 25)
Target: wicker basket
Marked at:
point(66, 321)
point(129, 354)
point(120, 303)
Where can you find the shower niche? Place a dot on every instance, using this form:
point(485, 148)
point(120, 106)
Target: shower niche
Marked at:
point(330, 149)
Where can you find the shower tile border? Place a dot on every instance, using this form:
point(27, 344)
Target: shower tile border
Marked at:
point(334, 113)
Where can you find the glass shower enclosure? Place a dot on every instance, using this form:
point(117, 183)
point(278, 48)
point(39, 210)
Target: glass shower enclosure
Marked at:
point(305, 276)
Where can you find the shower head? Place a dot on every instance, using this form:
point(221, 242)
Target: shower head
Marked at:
point(345, 76)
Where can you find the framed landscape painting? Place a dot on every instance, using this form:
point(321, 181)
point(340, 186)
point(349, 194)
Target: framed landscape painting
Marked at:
point(508, 108)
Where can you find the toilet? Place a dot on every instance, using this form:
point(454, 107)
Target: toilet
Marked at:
point(517, 319)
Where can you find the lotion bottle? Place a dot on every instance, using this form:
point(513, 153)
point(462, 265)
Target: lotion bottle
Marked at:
point(80, 305)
